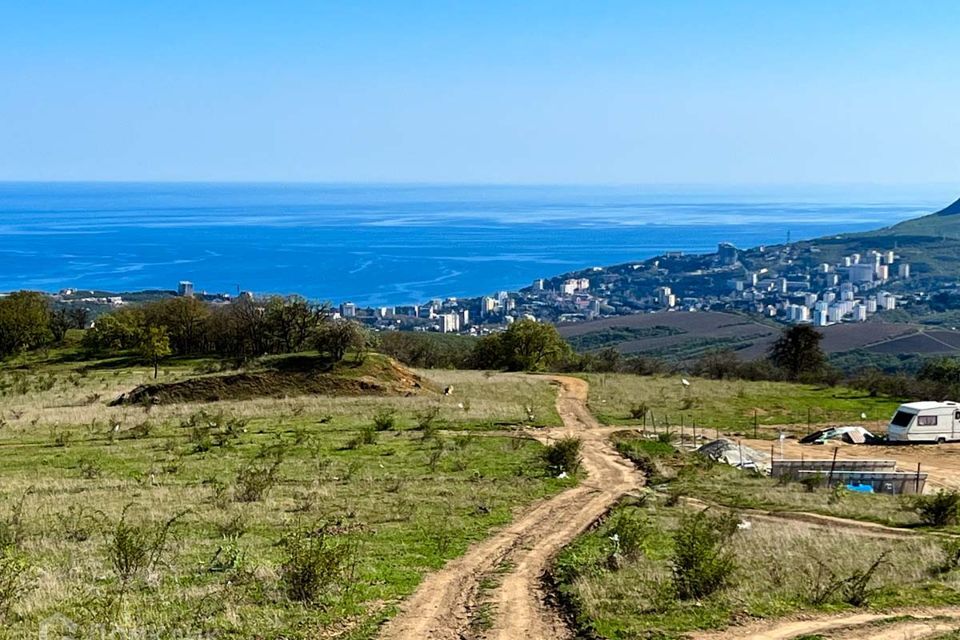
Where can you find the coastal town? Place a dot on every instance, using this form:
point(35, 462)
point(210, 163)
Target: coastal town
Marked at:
point(789, 283)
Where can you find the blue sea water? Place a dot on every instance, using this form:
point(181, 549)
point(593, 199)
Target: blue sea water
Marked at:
point(380, 244)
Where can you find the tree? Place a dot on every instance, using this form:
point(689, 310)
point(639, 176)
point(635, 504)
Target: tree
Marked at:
point(290, 322)
point(24, 322)
point(944, 370)
point(186, 322)
point(718, 364)
point(527, 345)
point(155, 344)
point(117, 331)
point(797, 352)
point(336, 337)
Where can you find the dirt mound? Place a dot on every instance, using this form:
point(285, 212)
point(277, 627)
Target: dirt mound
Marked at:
point(377, 376)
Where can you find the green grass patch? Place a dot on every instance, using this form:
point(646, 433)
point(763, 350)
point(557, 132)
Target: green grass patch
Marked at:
point(293, 522)
point(730, 405)
point(779, 569)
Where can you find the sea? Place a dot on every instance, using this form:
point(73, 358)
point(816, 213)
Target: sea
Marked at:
point(398, 244)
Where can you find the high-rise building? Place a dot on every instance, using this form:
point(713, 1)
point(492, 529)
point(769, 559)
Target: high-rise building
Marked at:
point(449, 323)
point(185, 289)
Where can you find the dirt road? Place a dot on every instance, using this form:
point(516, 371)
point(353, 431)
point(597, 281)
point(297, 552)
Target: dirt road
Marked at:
point(901, 625)
point(452, 603)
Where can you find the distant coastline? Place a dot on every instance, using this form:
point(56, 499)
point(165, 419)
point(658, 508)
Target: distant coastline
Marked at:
point(349, 242)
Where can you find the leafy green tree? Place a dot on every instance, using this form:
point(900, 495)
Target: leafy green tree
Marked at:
point(527, 345)
point(291, 322)
point(24, 322)
point(115, 332)
point(186, 321)
point(797, 352)
point(154, 345)
point(336, 337)
point(944, 370)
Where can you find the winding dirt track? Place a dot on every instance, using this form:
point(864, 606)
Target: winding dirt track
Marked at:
point(449, 603)
point(902, 625)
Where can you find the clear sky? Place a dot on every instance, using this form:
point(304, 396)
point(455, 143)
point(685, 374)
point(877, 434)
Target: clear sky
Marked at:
point(483, 91)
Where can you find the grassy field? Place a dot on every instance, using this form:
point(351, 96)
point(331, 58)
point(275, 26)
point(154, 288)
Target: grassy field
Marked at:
point(619, 591)
point(292, 517)
point(778, 569)
point(730, 405)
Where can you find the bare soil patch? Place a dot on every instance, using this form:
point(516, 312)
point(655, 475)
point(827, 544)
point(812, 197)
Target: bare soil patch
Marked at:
point(380, 378)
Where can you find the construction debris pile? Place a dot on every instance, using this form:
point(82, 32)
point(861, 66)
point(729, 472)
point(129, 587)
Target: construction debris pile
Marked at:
point(849, 434)
point(736, 455)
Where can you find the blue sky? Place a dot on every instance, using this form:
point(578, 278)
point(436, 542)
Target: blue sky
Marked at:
point(486, 91)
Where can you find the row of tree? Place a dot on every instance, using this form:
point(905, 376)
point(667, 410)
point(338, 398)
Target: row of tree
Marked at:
point(250, 328)
point(239, 331)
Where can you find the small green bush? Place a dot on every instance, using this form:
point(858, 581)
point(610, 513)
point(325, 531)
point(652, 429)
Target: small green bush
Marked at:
point(135, 547)
point(639, 411)
point(630, 533)
point(254, 481)
point(313, 563)
point(15, 579)
point(564, 455)
point(384, 420)
point(940, 509)
point(367, 435)
point(702, 564)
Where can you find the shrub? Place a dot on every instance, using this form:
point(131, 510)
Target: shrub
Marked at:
point(15, 579)
point(77, 523)
point(384, 420)
point(427, 422)
point(811, 482)
point(938, 510)
point(313, 563)
point(630, 533)
point(90, 469)
point(135, 547)
point(367, 435)
point(853, 589)
point(563, 455)
point(12, 530)
point(209, 430)
point(702, 565)
point(951, 556)
point(254, 481)
point(61, 439)
point(639, 411)
point(856, 590)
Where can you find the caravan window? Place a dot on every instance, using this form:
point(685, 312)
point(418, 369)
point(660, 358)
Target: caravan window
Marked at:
point(902, 419)
point(926, 421)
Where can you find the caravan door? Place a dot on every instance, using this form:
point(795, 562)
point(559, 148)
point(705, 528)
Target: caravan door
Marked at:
point(956, 425)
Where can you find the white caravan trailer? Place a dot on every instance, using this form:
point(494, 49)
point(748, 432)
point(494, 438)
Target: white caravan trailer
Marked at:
point(925, 422)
